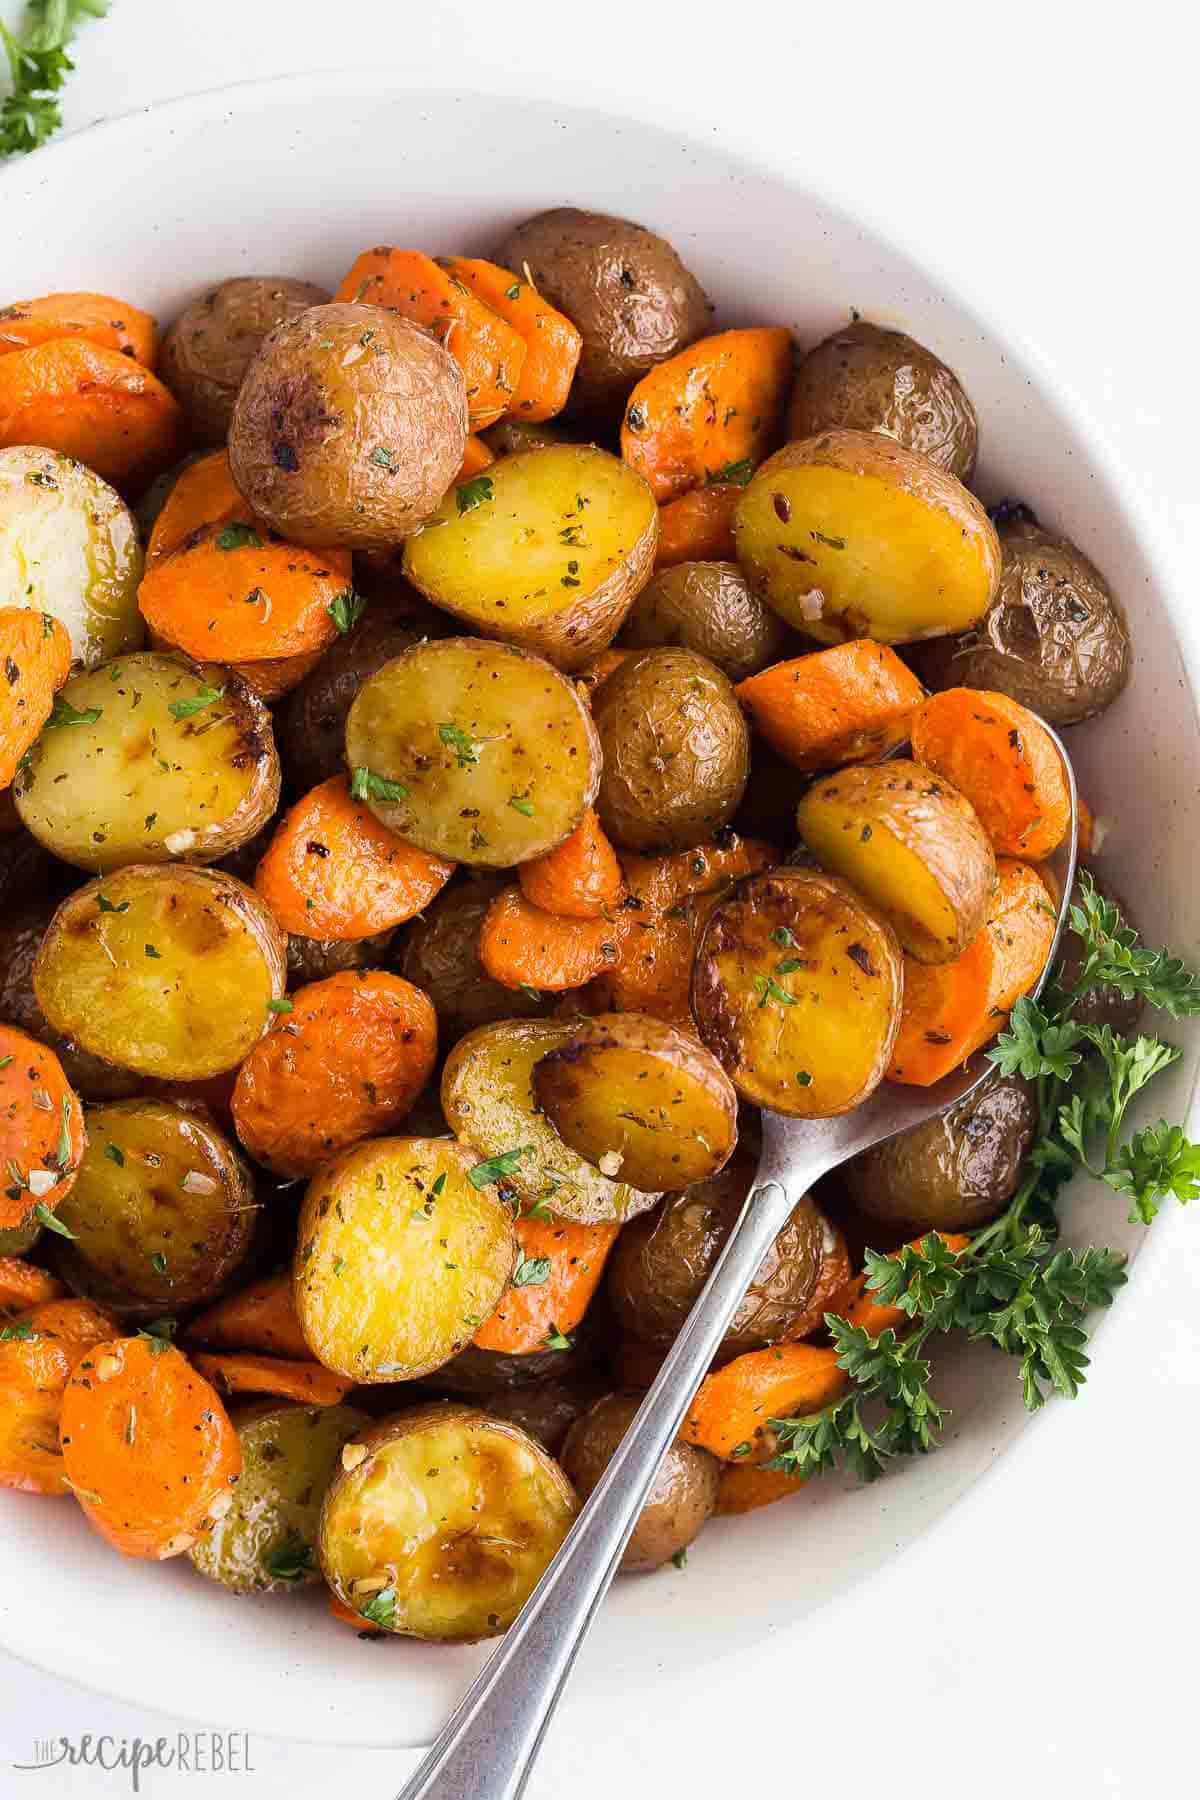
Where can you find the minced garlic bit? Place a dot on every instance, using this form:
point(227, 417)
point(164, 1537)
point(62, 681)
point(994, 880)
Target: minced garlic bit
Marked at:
point(41, 1181)
point(195, 1183)
point(610, 1163)
point(353, 1455)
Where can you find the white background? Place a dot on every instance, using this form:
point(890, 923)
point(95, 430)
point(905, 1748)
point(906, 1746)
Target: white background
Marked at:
point(1040, 1640)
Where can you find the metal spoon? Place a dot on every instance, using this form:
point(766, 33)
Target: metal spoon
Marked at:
point(487, 1748)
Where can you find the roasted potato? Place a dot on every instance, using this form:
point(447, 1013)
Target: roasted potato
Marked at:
point(313, 959)
point(848, 534)
point(474, 751)
point(166, 971)
point(1055, 636)
point(483, 1373)
point(441, 1521)
point(487, 1096)
point(709, 607)
point(623, 286)
point(684, 1494)
point(866, 378)
point(439, 952)
point(69, 547)
point(546, 1410)
point(158, 760)
point(349, 426)
point(509, 436)
point(21, 932)
point(638, 1098)
point(206, 351)
point(1104, 1005)
point(548, 551)
point(676, 750)
point(953, 1173)
point(400, 1257)
point(162, 1212)
point(912, 844)
point(796, 990)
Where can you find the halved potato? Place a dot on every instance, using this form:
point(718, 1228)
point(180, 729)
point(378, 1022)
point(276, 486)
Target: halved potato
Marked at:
point(400, 1257)
point(796, 989)
point(488, 1099)
point(441, 1522)
point(69, 546)
point(549, 549)
point(849, 534)
point(912, 844)
point(167, 971)
point(640, 1099)
point(171, 760)
point(267, 1542)
point(474, 751)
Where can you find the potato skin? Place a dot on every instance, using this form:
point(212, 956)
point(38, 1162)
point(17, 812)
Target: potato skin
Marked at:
point(1100, 1006)
point(483, 1372)
point(869, 379)
point(623, 286)
point(206, 351)
point(676, 750)
point(314, 959)
point(509, 436)
point(546, 1410)
point(348, 428)
point(438, 951)
point(711, 608)
point(953, 1173)
point(681, 1500)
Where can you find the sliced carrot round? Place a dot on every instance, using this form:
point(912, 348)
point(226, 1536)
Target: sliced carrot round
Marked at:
point(522, 946)
point(203, 494)
point(241, 1372)
point(101, 319)
point(851, 703)
point(1000, 755)
point(260, 1317)
point(35, 655)
point(580, 878)
point(42, 1136)
point(92, 403)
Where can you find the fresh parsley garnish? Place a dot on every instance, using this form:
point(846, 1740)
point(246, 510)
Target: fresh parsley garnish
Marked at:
point(470, 494)
point(531, 1271)
point(38, 65)
point(290, 1561)
point(63, 713)
point(115, 1154)
point(768, 989)
point(187, 709)
point(280, 1006)
point(557, 1340)
point(238, 537)
point(158, 1334)
point(496, 1168)
point(20, 1332)
point(44, 1216)
point(346, 609)
point(380, 1609)
point(739, 473)
point(365, 784)
point(158, 1262)
point(466, 748)
point(521, 803)
point(105, 905)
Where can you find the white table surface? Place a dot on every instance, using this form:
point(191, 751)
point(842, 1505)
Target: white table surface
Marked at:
point(1039, 1641)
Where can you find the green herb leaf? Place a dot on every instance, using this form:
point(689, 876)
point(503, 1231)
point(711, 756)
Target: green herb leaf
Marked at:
point(187, 709)
point(290, 1561)
point(531, 1271)
point(38, 66)
point(530, 993)
point(679, 1559)
point(280, 1006)
point(365, 784)
point(380, 1609)
point(768, 989)
point(238, 537)
point(159, 1333)
point(557, 1340)
point(1155, 1165)
point(470, 494)
point(105, 905)
point(20, 1332)
point(383, 458)
point(154, 954)
point(115, 1154)
point(63, 713)
point(521, 803)
point(44, 1216)
point(496, 1168)
point(740, 473)
point(466, 748)
point(783, 936)
point(346, 609)
point(158, 1262)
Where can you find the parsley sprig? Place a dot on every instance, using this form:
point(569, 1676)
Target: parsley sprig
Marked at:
point(38, 65)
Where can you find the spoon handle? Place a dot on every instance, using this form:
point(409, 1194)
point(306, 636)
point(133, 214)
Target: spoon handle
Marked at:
point(487, 1748)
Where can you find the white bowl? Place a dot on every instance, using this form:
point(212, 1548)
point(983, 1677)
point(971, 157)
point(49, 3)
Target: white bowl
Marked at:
point(296, 177)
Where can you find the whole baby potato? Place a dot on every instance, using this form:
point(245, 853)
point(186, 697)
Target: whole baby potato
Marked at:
point(208, 348)
point(684, 1494)
point(709, 607)
point(349, 427)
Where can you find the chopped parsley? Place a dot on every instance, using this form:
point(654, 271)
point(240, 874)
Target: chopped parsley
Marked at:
point(365, 784)
point(470, 494)
point(531, 1271)
point(496, 1168)
point(238, 537)
point(346, 609)
point(187, 709)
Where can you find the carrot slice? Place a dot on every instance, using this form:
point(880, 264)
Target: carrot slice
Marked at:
point(832, 1277)
point(476, 458)
point(552, 343)
point(714, 409)
point(113, 324)
point(23, 1284)
point(261, 1317)
point(148, 1448)
point(35, 655)
point(203, 494)
point(558, 1272)
point(487, 349)
point(653, 970)
point(42, 1136)
point(345, 1061)
point(851, 703)
point(43, 1345)
point(698, 527)
point(275, 676)
point(950, 1009)
point(522, 946)
point(579, 879)
point(658, 883)
point(91, 403)
point(242, 1372)
point(744, 1487)
point(729, 1414)
point(999, 754)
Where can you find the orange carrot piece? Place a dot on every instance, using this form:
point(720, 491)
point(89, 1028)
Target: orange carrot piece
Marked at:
point(276, 676)
point(242, 1372)
point(698, 527)
point(476, 458)
point(715, 409)
point(851, 703)
point(658, 883)
point(333, 871)
point(113, 324)
point(42, 1135)
point(999, 754)
point(951, 1009)
point(346, 1615)
point(30, 1456)
point(653, 970)
point(832, 1277)
point(525, 1314)
point(35, 655)
point(744, 1487)
point(46, 1342)
point(345, 1062)
point(23, 1284)
point(522, 946)
point(203, 494)
point(860, 1308)
point(729, 1414)
point(91, 403)
point(148, 1448)
point(579, 879)
point(552, 342)
point(489, 352)
point(261, 1318)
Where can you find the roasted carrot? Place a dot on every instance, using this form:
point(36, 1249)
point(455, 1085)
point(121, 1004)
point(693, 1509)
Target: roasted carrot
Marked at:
point(113, 324)
point(653, 970)
point(729, 1414)
point(345, 1061)
point(698, 527)
point(744, 1487)
point(276, 676)
point(261, 1318)
point(23, 1284)
point(832, 1277)
point(559, 1269)
point(489, 352)
point(522, 946)
point(36, 1360)
point(242, 1372)
point(950, 1009)
point(42, 1136)
point(346, 1615)
point(852, 703)
point(999, 754)
point(148, 1449)
point(91, 403)
point(579, 879)
point(657, 883)
point(592, 674)
point(203, 494)
point(713, 411)
point(476, 458)
point(552, 343)
point(35, 655)
point(860, 1308)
